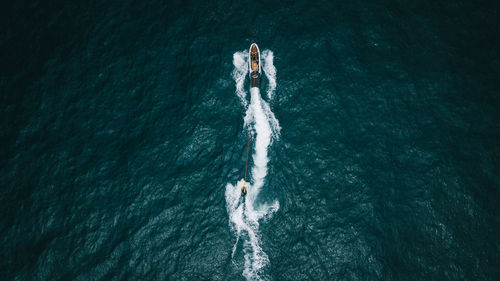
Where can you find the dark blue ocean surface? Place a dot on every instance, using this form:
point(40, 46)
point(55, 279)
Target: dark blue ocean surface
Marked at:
point(374, 140)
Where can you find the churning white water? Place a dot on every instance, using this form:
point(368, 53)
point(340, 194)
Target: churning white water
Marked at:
point(244, 213)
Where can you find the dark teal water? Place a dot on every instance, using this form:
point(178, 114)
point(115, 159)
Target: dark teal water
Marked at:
point(123, 141)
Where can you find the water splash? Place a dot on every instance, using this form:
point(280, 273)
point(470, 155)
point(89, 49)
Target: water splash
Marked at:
point(270, 71)
point(244, 215)
point(239, 73)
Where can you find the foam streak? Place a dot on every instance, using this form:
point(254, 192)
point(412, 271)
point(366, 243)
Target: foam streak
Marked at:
point(270, 72)
point(244, 215)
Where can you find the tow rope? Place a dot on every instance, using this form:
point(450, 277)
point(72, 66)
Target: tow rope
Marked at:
point(244, 187)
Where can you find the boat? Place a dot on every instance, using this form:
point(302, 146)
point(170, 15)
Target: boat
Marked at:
point(254, 65)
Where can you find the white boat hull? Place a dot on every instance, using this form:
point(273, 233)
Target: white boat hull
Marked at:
point(254, 72)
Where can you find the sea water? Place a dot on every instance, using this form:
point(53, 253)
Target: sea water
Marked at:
point(373, 141)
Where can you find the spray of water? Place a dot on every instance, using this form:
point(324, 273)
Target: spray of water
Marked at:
point(270, 72)
point(239, 73)
point(245, 215)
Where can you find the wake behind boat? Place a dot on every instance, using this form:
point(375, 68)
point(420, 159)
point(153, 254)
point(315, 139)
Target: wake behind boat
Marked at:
point(254, 65)
point(255, 70)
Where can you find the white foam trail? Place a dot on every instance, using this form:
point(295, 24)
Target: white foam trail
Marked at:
point(239, 73)
point(270, 71)
point(275, 125)
point(263, 128)
point(244, 215)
